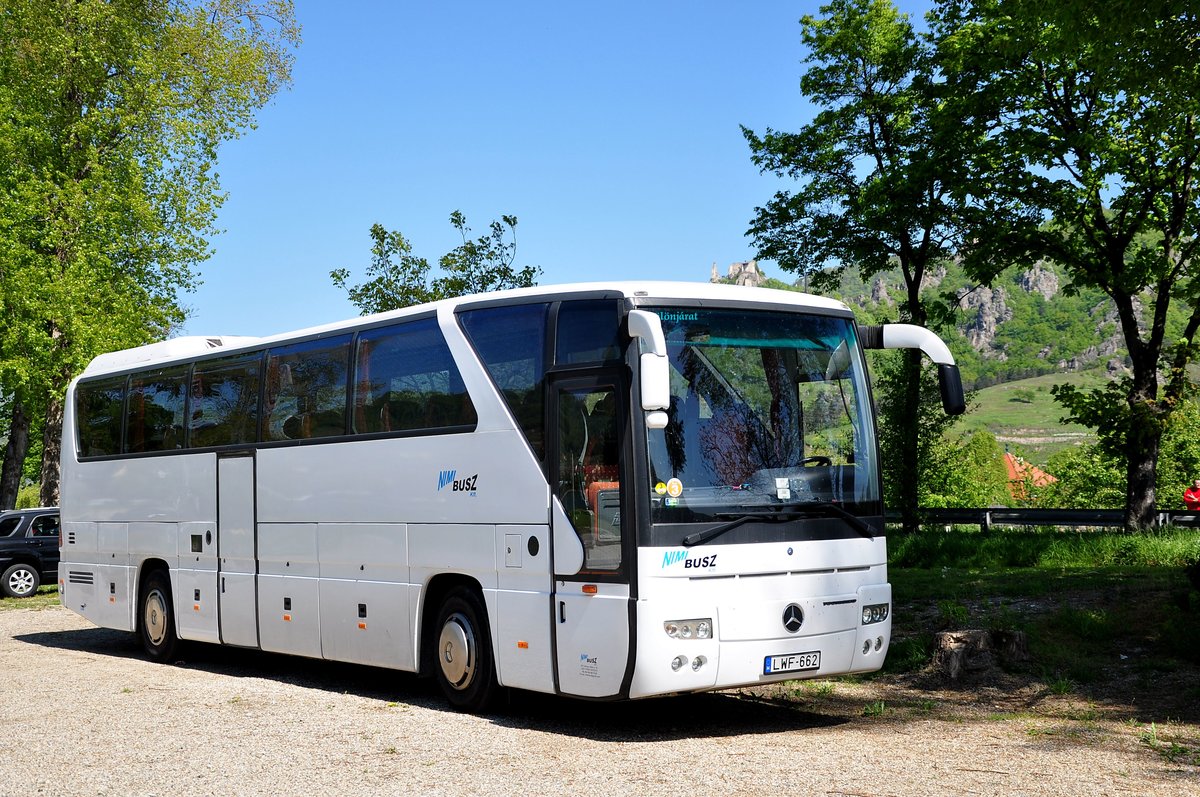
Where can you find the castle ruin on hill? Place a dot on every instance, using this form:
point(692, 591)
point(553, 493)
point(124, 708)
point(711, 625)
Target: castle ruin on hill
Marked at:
point(744, 273)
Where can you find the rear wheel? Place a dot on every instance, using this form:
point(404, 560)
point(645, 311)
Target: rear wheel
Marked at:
point(465, 669)
point(20, 580)
point(156, 625)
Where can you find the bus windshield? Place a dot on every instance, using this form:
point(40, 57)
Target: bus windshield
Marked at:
point(769, 411)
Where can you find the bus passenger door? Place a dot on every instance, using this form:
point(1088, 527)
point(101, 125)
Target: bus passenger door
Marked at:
point(592, 609)
point(237, 551)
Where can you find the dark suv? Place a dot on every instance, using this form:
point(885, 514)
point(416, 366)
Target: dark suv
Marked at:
point(28, 550)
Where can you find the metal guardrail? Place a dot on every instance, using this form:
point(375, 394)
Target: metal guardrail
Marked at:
point(985, 518)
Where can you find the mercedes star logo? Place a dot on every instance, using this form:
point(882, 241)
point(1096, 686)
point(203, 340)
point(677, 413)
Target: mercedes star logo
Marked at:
point(793, 618)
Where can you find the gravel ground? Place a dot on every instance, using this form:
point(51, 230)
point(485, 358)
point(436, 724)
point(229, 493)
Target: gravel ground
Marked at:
point(85, 715)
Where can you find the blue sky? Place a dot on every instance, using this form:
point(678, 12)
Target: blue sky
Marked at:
point(610, 130)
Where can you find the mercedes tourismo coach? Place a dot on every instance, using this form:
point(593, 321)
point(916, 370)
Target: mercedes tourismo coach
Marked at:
point(604, 491)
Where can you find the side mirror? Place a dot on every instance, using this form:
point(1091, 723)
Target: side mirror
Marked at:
point(910, 336)
point(654, 372)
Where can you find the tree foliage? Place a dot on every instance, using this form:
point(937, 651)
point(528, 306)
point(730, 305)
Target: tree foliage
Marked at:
point(111, 115)
point(1089, 117)
point(876, 182)
point(967, 472)
point(397, 278)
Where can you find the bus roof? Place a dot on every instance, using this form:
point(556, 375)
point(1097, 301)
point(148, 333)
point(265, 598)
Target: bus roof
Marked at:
point(185, 348)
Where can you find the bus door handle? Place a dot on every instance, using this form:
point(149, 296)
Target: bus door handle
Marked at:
point(562, 611)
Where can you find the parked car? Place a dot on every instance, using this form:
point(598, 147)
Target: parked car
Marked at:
point(28, 550)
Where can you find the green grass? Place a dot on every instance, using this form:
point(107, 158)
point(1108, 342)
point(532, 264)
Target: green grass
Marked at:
point(1024, 414)
point(1079, 597)
point(970, 548)
point(46, 596)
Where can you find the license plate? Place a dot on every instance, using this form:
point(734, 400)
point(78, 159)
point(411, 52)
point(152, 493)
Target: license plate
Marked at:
point(792, 662)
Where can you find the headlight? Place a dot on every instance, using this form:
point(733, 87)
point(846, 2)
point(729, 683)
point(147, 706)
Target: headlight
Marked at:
point(700, 628)
point(875, 613)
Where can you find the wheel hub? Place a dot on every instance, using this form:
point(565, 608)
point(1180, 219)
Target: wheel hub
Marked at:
point(21, 582)
point(156, 627)
point(456, 651)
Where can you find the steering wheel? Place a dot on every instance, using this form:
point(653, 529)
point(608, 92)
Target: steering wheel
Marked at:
point(822, 461)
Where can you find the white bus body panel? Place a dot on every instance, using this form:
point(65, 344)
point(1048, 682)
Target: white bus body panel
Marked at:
point(521, 616)
point(383, 481)
point(195, 582)
point(593, 638)
point(237, 548)
point(744, 590)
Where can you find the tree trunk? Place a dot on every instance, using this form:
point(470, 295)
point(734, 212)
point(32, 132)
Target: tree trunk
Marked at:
point(910, 444)
point(51, 451)
point(14, 456)
point(1142, 446)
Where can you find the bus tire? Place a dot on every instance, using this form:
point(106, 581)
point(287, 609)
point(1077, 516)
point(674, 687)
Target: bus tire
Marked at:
point(465, 667)
point(156, 618)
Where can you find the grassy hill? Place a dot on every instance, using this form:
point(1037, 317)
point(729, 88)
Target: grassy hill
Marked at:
point(1025, 417)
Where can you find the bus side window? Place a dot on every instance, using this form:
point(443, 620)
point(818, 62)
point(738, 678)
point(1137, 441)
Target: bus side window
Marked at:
point(224, 404)
point(306, 390)
point(587, 483)
point(99, 409)
point(156, 411)
point(588, 332)
point(511, 342)
point(406, 380)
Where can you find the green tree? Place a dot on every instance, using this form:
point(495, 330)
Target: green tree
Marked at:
point(877, 176)
point(1087, 478)
point(930, 458)
point(397, 278)
point(111, 115)
point(968, 472)
point(1088, 116)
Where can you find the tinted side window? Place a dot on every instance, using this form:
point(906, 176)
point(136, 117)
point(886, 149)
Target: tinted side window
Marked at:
point(8, 525)
point(45, 526)
point(156, 411)
point(306, 390)
point(406, 379)
point(225, 402)
point(587, 332)
point(98, 410)
point(511, 342)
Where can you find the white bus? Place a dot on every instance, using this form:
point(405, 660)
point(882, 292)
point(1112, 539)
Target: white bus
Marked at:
point(605, 491)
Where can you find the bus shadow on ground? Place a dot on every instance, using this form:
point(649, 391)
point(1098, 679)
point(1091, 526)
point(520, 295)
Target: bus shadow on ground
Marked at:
point(714, 714)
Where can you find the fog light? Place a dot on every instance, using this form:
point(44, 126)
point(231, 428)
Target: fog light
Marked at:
point(699, 662)
point(699, 628)
point(678, 662)
point(879, 643)
point(875, 613)
point(866, 647)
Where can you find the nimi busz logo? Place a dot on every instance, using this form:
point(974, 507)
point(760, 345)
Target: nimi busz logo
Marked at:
point(675, 557)
point(447, 478)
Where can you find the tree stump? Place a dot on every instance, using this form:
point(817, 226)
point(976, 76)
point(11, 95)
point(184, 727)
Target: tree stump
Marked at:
point(957, 653)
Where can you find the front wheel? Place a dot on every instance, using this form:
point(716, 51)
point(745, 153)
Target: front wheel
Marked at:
point(20, 581)
point(465, 669)
point(157, 618)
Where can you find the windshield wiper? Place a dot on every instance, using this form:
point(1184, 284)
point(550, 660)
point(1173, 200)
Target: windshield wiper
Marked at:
point(778, 513)
point(856, 523)
point(716, 531)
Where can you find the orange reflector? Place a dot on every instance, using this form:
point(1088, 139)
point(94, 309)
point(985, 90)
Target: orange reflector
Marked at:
point(196, 607)
point(111, 599)
point(522, 644)
point(363, 626)
point(287, 618)
point(590, 589)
